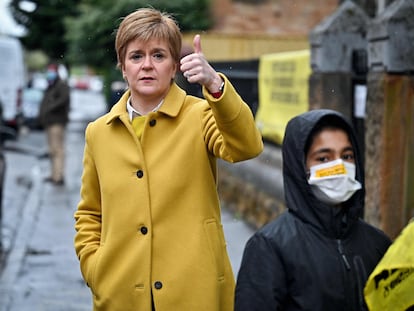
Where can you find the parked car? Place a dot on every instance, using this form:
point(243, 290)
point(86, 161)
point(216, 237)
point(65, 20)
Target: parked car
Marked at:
point(12, 80)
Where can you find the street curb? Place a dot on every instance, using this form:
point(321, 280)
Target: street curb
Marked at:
point(17, 254)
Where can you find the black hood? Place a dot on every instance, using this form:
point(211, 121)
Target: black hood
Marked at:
point(333, 221)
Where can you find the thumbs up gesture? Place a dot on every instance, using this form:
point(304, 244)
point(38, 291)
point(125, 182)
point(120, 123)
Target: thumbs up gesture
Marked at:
point(196, 69)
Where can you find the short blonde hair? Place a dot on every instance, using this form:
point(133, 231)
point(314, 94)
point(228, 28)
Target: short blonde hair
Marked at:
point(146, 24)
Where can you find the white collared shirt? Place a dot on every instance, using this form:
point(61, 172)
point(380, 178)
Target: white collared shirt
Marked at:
point(131, 110)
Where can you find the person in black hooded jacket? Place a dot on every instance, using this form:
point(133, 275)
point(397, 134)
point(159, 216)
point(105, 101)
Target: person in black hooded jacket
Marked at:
point(319, 253)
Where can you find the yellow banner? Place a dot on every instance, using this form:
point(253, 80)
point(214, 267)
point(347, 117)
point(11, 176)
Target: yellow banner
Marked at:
point(283, 91)
point(390, 287)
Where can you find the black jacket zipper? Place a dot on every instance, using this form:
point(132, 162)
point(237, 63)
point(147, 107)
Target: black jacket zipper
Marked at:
point(343, 256)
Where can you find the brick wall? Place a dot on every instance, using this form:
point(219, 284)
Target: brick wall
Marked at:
point(275, 17)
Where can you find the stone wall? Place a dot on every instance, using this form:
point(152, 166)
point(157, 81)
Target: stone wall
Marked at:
point(253, 189)
point(247, 201)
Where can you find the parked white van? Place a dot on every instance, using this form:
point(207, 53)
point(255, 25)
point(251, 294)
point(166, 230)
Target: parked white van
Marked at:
point(12, 80)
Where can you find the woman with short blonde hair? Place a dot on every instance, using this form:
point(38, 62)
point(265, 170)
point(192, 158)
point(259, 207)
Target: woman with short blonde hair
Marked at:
point(149, 233)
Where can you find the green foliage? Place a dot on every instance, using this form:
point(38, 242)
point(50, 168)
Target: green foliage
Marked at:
point(45, 25)
point(92, 34)
point(91, 37)
point(82, 32)
point(36, 60)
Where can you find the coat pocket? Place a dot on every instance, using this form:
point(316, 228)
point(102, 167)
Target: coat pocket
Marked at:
point(216, 244)
point(92, 273)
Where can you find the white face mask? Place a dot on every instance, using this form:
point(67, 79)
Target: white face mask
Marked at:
point(333, 182)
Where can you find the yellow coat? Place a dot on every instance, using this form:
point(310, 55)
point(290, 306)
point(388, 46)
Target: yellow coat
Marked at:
point(148, 221)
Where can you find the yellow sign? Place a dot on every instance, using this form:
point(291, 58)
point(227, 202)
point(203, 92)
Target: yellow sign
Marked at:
point(390, 287)
point(283, 91)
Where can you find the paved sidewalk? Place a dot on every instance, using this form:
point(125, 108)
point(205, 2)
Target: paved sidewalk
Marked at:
point(42, 272)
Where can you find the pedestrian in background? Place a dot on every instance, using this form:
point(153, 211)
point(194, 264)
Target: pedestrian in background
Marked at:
point(149, 233)
point(53, 117)
point(319, 253)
